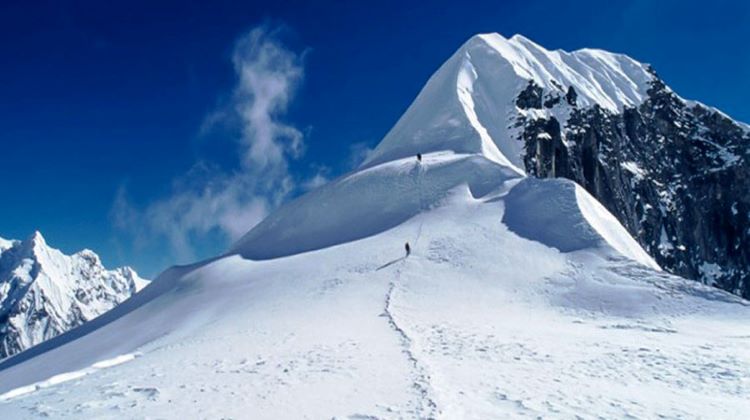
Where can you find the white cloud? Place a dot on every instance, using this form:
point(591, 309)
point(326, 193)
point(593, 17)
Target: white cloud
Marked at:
point(267, 74)
point(207, 199)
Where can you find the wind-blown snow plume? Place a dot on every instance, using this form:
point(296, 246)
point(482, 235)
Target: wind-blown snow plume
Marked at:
point(208, 199)
point(268, 74)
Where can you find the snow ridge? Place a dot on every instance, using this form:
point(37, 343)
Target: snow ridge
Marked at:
point(612, 81)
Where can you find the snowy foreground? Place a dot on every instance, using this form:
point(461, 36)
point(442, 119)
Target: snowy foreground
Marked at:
point(522, 297)
point(486, 318)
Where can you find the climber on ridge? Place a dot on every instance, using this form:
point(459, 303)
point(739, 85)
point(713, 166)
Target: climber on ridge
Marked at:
point(419, 157)
point(408, 249)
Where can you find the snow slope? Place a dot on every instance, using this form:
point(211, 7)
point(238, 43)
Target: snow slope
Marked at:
point(368, 202)
point(521, 298)
point(487, 317)
point(44, 292)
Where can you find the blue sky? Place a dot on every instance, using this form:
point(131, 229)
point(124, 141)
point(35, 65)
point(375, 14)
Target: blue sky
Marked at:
point(114, 114)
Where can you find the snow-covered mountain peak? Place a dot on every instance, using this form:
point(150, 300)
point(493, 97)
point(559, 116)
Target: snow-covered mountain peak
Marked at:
point(37, 237)
point(44, 292)
point(470, 104)
point(35, 241)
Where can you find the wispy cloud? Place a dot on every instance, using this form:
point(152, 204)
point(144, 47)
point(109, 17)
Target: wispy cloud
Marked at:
point(208, 199)
point(267, 75)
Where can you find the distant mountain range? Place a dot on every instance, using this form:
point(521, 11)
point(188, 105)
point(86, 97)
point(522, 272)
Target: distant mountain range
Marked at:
point(44, 292)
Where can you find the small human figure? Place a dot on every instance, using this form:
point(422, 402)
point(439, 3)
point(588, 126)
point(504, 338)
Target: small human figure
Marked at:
point(408, 249)
point(419, 157)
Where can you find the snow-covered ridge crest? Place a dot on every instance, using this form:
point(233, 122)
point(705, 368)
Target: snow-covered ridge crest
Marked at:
point(612, 81)
point(44, 292)
point(468, 105)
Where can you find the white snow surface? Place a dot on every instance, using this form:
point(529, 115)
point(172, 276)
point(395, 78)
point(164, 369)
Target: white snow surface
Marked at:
point(468, 105)
point(522, 298)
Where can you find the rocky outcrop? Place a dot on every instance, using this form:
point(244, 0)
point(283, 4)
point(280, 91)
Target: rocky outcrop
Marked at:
point(675, 173)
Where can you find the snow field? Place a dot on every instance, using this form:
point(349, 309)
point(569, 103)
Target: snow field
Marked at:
point(477, 322)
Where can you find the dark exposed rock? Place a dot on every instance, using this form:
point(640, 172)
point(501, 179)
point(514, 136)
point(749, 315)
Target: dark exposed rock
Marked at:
point(530, 97)
point(551, 101)
point(571, 96)
point(677, 176)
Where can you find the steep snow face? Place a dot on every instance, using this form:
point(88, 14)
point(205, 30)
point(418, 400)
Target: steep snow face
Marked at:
point(612, 81)
point(469, 104)
point(44, 292)
point(578, 222)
